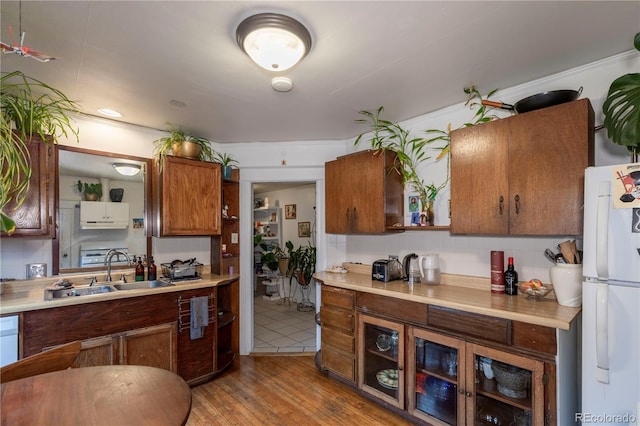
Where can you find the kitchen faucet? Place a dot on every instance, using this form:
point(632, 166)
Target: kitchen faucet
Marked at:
point(107, 260)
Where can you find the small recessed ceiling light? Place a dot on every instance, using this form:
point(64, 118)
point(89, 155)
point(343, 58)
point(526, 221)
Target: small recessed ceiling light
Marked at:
point(109, 112)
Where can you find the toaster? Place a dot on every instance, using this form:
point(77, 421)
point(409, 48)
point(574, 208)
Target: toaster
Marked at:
point(386, 270)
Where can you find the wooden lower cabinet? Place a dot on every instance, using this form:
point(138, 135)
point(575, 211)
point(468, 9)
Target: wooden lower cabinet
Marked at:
point(147, 330)
point(150, 346)
point(337, 318)
point(381, 371)
point(453, 382)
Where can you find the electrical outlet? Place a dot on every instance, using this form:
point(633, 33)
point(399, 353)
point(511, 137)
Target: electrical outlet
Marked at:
point(234, 238)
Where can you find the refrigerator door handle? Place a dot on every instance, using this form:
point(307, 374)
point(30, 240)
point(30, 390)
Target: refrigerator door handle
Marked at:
point(602, 230)
point(602, 333)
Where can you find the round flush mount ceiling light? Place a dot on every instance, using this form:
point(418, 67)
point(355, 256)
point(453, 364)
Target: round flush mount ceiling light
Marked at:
point(281, 84)
point(127, 169)
point(275, 42)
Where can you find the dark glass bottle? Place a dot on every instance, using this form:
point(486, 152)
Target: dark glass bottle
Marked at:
point(511, 279)
point(139, 270)
point(151, 270)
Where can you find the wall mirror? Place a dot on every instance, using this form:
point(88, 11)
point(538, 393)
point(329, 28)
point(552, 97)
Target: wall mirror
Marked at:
point(87, 227)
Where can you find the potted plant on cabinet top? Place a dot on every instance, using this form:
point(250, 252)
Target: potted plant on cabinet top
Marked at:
point(227, 162)
point(179, 144)
point(622, 110)
point(31, 111)
point(92, 191)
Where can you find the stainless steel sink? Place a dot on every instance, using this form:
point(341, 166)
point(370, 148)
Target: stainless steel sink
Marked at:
point(142, 284)
point(78, 291)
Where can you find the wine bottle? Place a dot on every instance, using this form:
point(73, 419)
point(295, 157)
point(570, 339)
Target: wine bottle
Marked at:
point(511, 279)
point(139, 270)
point(151, 270)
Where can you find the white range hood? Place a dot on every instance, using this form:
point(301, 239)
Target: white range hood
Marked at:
point(104, 215)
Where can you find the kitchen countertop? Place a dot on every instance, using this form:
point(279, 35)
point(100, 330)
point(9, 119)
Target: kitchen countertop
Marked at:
point(469, 294)
point(28, 295)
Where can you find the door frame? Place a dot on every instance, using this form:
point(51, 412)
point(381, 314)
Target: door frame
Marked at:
point(248, 177)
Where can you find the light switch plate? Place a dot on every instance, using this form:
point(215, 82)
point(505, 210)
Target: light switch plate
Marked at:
point(234, 238)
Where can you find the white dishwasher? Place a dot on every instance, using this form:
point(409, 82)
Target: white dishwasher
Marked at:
point(8, 340)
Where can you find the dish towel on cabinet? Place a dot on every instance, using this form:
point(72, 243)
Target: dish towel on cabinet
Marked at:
point(199, 316)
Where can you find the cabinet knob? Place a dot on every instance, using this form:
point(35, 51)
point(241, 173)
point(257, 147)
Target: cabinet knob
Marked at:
point(467, 393)
point(517, 200)
point(501, 205)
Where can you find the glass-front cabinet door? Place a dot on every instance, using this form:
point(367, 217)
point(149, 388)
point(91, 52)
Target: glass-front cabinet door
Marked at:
point(435, 377)
point(507, 389)
point(381, 359)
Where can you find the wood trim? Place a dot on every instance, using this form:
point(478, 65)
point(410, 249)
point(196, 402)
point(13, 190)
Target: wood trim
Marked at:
point(488, 328)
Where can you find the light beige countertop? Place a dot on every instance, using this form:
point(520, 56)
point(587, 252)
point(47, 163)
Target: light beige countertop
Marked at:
point(469, 294)
point(28, 295)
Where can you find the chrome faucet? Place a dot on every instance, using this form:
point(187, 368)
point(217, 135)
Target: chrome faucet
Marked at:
point(109, 256)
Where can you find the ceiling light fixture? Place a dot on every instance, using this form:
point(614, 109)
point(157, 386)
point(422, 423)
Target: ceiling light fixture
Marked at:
point(281, 84)
point(127, 169)
point(273, 41)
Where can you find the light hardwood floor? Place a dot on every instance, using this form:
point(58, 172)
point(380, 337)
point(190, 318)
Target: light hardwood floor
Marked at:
point(282, 390)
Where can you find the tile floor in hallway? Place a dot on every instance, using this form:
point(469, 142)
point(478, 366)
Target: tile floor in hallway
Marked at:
point(280, 327)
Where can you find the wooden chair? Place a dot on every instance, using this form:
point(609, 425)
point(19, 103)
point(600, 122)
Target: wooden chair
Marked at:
point(59, 358)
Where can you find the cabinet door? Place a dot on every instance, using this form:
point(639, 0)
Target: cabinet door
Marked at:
point(479, 179)
point(336, 197)
point(548, 152)
point(362, 195)
point(190, 199)
point(118, 212)
point(381, 359)
point(503, 388)
point(34, 217)
point(435, 377)
point(152, 346)
point(98, 351)
point(337, 317)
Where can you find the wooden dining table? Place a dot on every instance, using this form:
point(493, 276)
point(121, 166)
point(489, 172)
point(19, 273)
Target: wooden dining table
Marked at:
point(107, 395)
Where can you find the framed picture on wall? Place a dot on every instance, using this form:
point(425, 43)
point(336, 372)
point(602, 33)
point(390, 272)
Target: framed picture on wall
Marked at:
point(304, 229)
point(290, 211)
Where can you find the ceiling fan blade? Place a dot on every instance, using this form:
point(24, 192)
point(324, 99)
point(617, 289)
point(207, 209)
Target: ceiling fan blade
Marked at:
point(40, 56)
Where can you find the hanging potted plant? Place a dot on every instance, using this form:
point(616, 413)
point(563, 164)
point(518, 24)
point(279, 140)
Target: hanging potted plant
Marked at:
point(91, 191)
point(31, 111)
point(179, 144)
point(227, 162)
point(622, 110)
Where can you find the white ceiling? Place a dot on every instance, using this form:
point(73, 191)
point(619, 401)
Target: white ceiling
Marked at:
point(410, 57)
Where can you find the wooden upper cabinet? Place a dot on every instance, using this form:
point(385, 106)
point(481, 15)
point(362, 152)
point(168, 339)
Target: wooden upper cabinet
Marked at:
point(34, 218)
point(187, 197)
point(523, 175)
point(362, 195)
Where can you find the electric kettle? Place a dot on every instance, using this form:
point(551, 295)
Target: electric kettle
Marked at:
point(411, 268)
point(429, 265)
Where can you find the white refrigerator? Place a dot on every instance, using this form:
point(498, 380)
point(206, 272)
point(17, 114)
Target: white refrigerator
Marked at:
point(611, 296)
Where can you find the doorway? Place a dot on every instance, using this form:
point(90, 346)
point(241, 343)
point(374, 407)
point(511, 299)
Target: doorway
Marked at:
point(282, 212)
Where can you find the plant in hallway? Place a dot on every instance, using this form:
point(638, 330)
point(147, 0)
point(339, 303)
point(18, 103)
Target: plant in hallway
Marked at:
point(31, 111)
point(274, 256)
point(302, 264)
point(622, 110)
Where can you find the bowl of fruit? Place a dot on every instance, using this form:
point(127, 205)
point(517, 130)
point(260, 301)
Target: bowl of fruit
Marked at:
point(534, 289)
